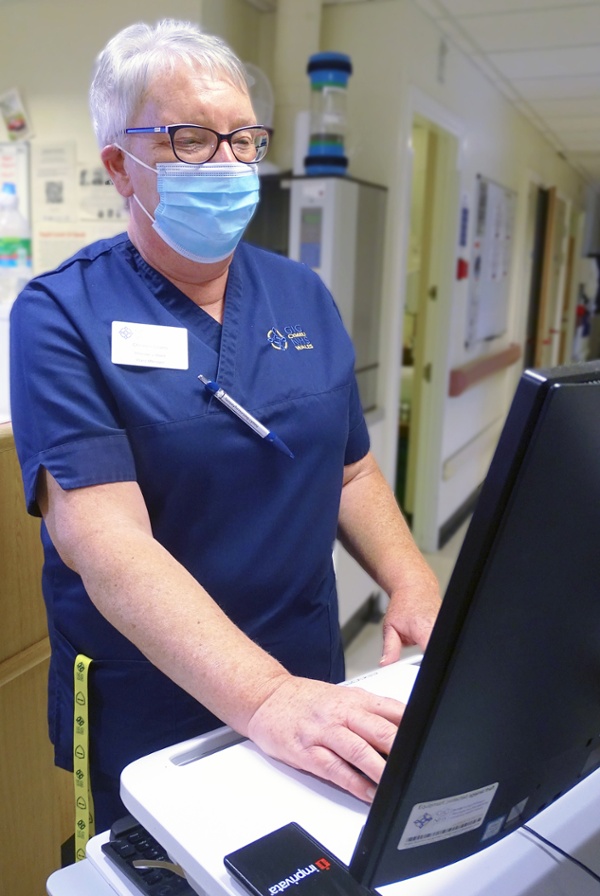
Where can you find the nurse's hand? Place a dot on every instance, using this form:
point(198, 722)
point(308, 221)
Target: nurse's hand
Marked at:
point(410, 617)
point(336, 733)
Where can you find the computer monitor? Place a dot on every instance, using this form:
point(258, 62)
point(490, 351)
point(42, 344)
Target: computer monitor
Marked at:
point(504, 716)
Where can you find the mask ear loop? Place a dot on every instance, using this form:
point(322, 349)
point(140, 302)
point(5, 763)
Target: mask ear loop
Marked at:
point(149, 167)
point(135, 158)
point(145, 210)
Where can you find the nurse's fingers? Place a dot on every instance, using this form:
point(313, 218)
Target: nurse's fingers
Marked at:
point(339, 734)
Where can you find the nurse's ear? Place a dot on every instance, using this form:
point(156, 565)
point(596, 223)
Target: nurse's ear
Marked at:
point(114, 162)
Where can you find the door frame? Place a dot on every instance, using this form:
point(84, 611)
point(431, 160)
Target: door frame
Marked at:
point(428, 476)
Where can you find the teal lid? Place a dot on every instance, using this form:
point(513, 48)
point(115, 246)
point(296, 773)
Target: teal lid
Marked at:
point(325, 67)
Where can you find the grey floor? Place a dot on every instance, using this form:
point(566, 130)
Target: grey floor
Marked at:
point(364, 652)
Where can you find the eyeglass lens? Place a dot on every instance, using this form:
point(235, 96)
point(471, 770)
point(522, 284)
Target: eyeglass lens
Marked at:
point(195, 144)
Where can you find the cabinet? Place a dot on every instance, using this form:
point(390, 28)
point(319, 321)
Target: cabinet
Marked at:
point(35, 797)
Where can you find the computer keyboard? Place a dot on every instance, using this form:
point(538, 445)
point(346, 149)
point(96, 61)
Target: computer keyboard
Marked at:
point(131, 843)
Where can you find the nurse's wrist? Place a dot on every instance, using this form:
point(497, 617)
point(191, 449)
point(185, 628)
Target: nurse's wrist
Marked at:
point(265, 694)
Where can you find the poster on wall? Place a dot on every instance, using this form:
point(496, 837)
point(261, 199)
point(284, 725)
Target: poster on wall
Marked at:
point(74, 204)
point(53, 180)
point(98, 199)
point(491, 254)
point(66, 189)
point(54, 241)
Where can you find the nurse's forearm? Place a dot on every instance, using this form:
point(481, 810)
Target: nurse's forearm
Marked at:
point(104, 534)
point(373, 530)
point(155, 603)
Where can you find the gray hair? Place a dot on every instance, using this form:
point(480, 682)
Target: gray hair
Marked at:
point(134, 56)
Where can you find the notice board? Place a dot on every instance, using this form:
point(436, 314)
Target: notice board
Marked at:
point(491, 253)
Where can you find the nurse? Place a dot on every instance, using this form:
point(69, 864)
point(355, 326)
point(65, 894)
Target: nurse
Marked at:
point(185, 556)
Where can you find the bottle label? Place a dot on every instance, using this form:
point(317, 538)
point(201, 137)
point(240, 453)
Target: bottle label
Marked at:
point(15, 252)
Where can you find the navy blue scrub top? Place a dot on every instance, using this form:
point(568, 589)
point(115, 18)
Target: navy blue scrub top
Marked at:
point(253, 526)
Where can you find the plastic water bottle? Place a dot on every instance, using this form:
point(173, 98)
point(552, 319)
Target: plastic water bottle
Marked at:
point(15, 271)
point(15, 245)
point(329, 74)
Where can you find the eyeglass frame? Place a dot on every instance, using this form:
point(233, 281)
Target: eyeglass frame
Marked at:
point(171, 129)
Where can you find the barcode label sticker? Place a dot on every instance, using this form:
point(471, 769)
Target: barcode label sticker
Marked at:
point(440, 819)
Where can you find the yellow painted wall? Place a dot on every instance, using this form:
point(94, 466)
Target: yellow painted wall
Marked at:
point(48, 48)
point(394, 48)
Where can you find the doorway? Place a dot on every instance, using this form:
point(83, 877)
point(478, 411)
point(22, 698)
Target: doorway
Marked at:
point(537, 213)
point(552, 297)
point(425, 325)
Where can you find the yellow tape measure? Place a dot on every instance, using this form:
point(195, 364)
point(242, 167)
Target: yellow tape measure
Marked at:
point(84, 806)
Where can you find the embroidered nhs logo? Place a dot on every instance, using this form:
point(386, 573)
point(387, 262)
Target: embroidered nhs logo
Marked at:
point(293, 335)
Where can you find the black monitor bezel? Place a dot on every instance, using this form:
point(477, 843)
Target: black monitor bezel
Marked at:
point(374, 852)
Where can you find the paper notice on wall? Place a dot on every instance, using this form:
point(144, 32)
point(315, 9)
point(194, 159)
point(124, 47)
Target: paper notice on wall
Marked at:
point(491, 254)
point(65, 189)
point(98, 199)
point(74, 204)
point(53, 181)
point(54, 241)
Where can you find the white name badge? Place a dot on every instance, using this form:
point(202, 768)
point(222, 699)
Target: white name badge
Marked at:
point(148, 345)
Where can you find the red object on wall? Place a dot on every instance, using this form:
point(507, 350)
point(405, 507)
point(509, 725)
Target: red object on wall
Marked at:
point(462, 269)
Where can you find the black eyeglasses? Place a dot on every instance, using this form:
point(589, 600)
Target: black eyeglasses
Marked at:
point(195, 145)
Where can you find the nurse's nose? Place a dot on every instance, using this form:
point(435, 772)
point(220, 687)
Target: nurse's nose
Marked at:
point(224, 152)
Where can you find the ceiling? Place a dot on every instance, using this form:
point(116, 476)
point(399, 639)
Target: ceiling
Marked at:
point(544, 55)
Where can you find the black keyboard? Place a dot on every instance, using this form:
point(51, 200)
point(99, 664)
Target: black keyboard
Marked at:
point(130, 842)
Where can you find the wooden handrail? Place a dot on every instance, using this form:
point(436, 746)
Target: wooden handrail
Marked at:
point(467, 375)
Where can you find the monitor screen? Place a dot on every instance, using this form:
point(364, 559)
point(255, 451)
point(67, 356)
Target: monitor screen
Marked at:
point(504, 716)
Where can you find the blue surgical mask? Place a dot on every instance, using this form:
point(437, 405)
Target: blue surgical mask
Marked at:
point(203, 209)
